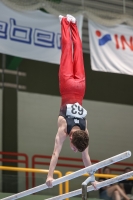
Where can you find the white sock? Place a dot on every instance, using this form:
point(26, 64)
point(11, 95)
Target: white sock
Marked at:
point(60, 17)
point(71, 18)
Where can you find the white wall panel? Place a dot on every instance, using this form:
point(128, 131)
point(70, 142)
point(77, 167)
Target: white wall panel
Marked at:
point(110, 126)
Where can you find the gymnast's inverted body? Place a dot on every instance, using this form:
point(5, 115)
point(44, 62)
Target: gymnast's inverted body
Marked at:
point(72, 121)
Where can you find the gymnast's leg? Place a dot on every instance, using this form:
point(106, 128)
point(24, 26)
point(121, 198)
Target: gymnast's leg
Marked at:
point(78, 63)
point(117, 192)
point(66, 65)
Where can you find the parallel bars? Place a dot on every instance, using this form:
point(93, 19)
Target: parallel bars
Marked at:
point(90, 169)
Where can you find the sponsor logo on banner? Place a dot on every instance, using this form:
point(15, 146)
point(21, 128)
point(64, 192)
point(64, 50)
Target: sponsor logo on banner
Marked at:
point(31, 34)
point(111, 48)
point(102, 39)
point(119, 41)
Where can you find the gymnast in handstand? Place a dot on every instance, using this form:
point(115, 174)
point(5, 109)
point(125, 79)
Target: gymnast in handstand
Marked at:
point(72, 121)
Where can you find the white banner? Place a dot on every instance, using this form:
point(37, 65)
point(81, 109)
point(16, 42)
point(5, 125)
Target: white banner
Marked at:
point(111, 48)
point(31, 34)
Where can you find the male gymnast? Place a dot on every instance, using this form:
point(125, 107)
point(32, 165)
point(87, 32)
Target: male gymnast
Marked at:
point(71, 120)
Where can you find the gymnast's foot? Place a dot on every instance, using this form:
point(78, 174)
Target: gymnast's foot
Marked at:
point(60, 17)
point(70, 18)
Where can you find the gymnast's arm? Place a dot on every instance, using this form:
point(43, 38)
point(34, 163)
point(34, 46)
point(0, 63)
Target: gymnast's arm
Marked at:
point(85, 154)
point(86, 158)
point(87, 161)
point(59, 140)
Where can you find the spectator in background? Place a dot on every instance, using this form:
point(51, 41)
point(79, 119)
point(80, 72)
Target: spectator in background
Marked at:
point(112, 192)
point(127, 185)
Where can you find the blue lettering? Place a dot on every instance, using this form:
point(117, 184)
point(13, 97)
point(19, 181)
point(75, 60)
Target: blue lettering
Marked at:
point(44, 38)
point(3, 29)
point(20, 33)
point(58, 40)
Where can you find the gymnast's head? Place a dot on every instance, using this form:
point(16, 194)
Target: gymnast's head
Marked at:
point(79, 140)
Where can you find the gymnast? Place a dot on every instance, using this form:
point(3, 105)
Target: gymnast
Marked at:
point(72, 121)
